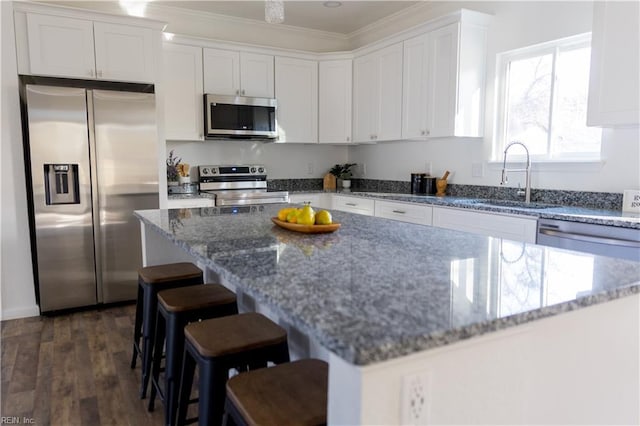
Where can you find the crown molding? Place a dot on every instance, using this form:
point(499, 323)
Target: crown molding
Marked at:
point(385, 21)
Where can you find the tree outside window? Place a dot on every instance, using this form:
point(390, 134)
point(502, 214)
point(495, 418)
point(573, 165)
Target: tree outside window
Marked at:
point(543, 100)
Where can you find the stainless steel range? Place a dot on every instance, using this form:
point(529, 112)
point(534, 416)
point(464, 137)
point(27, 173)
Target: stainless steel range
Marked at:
point(238, 185)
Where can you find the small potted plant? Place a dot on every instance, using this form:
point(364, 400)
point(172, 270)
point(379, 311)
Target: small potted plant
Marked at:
point(172, 169)
point(343, 172)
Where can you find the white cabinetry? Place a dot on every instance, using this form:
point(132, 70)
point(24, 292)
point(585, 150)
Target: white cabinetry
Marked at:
point(69, 47)
point(182, 77)
point(614, 87)
point(377, 95)
point(334, 99)
point(318, 200)
point(187, 203)
point(297, 95)
point(489, 224)
point(443, 80)
point(354, 205)
point(405, 212)
point(227, 72)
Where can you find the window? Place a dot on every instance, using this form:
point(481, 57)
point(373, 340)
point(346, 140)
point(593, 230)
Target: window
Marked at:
point(543, 100)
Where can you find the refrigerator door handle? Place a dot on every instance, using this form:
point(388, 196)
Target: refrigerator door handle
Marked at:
point(95, 206)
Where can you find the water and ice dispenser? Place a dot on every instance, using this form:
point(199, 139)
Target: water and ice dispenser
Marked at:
point(61, 184)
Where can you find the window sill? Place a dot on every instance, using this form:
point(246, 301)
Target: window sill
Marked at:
point(577, 165)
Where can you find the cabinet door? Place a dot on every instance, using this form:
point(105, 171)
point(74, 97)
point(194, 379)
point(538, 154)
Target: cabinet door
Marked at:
point(297, 95)
point(221, 71)
point(60, 47)
point(489, 224)
point(414, 88)
point(365, 98)
point(256, 75)
point(123, 53)
point(614, 85)
point(390, 93)
point(442, 80)
point(335, 86)
point(182, 77)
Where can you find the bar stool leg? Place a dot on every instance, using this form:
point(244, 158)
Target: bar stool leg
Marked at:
point(157, 359)
point(149, 328)
point(211, 394)
point(173, 358)
point(186, 382)
point(137, 329)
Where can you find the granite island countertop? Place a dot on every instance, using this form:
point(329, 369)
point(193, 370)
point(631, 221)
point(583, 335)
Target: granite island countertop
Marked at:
point(378, 289)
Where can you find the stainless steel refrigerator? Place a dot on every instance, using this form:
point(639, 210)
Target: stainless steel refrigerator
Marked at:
point(92, 161)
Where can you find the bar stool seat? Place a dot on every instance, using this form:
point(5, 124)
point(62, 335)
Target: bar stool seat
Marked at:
point(177, 308)
point(151, 280)
point(217, 345)
point(294, 393)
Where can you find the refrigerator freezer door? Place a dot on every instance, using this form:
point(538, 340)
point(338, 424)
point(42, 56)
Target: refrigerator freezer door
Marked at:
point(63, 232)
point(127, 171)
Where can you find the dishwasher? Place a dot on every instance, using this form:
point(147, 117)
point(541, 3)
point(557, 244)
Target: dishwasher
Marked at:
point(612, 241)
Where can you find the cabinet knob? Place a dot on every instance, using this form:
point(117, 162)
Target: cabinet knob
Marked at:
point(428, 133)
point(348, 138)
point(237, 92)
point(424, 132)
point(243, 92)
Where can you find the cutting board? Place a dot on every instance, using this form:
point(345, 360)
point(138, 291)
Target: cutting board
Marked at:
point(329, 182)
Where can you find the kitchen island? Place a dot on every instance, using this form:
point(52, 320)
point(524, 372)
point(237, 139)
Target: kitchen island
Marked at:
point(481, 330)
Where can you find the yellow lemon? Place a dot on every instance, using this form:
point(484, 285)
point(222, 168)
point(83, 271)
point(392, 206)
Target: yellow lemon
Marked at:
point(307, 216)
point(292, 217)
point(283, 213)
point(323, 217)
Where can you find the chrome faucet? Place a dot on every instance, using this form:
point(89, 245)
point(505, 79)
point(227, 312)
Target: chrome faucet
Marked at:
point(527, 170)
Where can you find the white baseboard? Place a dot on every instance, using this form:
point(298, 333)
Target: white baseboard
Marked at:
point(22, 312)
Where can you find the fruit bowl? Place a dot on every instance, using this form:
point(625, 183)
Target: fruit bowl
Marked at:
point(306, 229)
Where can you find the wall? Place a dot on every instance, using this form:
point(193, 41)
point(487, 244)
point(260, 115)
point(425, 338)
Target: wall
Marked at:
point(17, 295)
point(282, 160)
point(515, 24)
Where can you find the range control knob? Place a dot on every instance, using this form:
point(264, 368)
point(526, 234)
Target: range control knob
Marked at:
point(253, 169)
point(260, 170)
point(205, 171)
point(214, 170)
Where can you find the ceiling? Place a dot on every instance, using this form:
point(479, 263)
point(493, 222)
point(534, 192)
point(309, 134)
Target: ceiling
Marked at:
point(349, 17)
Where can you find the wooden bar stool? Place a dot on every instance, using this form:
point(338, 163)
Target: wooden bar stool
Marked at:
point(177, 308)
point(294, 393)
point(218, 345)
point(151, 280)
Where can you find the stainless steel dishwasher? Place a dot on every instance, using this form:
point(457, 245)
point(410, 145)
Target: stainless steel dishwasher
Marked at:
point(604, 240)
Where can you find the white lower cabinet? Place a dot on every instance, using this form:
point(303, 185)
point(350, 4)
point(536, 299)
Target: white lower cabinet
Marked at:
point(489, 224)
point(187, 203)
point(405, 212)
point(317, 200)
point(354, 205)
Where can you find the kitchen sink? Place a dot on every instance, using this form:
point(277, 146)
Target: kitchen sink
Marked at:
point(513, 204)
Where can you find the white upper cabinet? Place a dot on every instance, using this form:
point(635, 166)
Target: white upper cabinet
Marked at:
point(614, 87)
point(183, 87)
point(297, 96)
point(227, 72)
point(69, 47)
point(377, 95)
point(335, 81)
point(444, 78)
point(61, 47)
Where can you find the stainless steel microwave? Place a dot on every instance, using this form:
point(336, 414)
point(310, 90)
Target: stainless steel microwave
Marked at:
point(240, 117)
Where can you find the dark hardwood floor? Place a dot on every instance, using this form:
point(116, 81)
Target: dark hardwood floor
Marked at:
point(73, 369)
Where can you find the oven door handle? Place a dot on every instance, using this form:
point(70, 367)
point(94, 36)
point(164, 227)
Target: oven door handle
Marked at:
point(589, 238)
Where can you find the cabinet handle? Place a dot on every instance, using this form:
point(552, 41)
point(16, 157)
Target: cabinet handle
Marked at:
point(399, 211)
point(351, 204)
point(428, 133)
point(424, 132)
point(237, 92)
point(242, 92)
point(348, 138)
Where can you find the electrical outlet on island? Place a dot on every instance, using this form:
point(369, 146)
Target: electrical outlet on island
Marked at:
point(414, 399)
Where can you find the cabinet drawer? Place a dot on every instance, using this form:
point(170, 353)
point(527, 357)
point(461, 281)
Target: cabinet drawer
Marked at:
point(186, 203)
point(404, 212)
point(490, 224)
point(354, 205)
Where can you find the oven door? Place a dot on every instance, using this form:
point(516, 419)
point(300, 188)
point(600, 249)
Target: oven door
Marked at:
point(242, 198)
point(240, 117)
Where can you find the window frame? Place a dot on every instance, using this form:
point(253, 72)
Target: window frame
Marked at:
point(503, 61)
